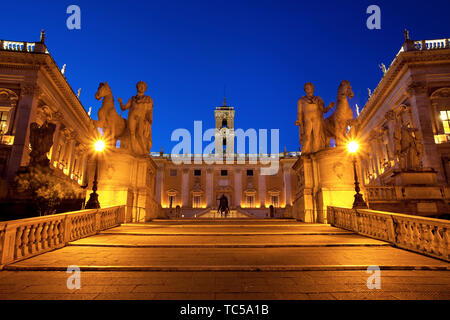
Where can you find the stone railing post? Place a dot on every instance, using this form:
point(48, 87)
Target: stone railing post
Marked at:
point(391, 230)
point(122, 215)
point(67, 229)
point(356, 220)
point(9, 244)
point(98, 221)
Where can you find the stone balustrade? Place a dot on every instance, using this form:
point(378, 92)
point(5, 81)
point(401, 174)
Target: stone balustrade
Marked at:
point(23, 46)
point(17, 46)
point(431, 44)
point(20, 239)
point(380, 193)
point(423, 235)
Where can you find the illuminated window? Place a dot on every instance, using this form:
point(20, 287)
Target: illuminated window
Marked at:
point(445, 117)
point(3, 121)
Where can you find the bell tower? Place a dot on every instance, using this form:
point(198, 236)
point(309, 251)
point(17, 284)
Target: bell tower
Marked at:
point(224, 135)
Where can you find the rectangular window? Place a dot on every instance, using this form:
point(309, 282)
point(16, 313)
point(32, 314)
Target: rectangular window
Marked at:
point(250, 173)
point(224, 173)
point(197, 173)
point(445, 117)
point(173, 172)
point(3, 121)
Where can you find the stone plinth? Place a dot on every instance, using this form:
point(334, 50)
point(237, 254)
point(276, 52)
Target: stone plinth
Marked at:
point(125, 179)
point(416, 192)
point(425, 177)
point(325, 179)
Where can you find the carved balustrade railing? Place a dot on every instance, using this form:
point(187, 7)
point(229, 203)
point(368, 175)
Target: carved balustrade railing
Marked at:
point(432, 44)
point(420, 234)
point(380, 193)
point(24, 238)
point(23, 46)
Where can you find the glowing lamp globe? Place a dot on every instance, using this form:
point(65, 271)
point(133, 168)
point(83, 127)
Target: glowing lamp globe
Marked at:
point(99, 145)
point(352, 146)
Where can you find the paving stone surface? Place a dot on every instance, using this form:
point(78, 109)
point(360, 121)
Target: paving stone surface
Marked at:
point(219, 262)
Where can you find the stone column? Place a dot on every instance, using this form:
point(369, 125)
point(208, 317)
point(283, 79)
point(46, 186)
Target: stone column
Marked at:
point(287, 185)
point(262, 189)
point(26, 110)
point(159, 189)
point(237, 187)
point(375, 156)
point(185, 188)
point(209, 187)
point(57, 119)
point(71, 153)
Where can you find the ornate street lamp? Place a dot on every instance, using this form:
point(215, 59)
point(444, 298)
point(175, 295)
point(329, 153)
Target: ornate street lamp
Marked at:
point(359, 202)
point(93, 203)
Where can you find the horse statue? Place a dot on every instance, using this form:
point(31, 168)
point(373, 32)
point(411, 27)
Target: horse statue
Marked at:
point(223, 206)
point(113, 125)
point(342, 117)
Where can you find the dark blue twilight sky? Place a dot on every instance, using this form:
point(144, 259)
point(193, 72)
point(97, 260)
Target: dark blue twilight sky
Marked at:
point(263, 51)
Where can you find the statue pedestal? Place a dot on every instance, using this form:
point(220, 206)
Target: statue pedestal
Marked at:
point(415, 192)
point(325, 179)
point(424, 177)
point(125, 179)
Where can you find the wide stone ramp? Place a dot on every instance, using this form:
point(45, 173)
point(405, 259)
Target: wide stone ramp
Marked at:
point(211, 245)
point(229, 259)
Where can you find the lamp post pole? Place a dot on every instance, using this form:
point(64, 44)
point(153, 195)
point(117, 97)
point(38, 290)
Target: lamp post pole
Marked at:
point(93, 203)
point(359, 202)
point(93, 197)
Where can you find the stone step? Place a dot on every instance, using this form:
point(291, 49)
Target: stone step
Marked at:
point(207, 241)
point(218, 229)
point(223, 259)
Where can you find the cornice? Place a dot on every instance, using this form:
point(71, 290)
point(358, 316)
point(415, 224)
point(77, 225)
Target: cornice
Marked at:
point(44, 62)
point(409, 58)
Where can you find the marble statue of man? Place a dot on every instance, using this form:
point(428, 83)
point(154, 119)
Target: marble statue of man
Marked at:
point(408, 148)
point(140, 118)
point(310, 120)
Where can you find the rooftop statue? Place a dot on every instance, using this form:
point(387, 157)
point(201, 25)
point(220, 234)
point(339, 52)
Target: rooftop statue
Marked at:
point(140, 118)
point(310, 120)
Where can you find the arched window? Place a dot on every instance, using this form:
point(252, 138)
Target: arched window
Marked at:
point(224, 123)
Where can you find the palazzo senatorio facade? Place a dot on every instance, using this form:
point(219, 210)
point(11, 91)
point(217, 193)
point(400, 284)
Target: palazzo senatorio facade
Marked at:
point(410, 107)
point(196, 186)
